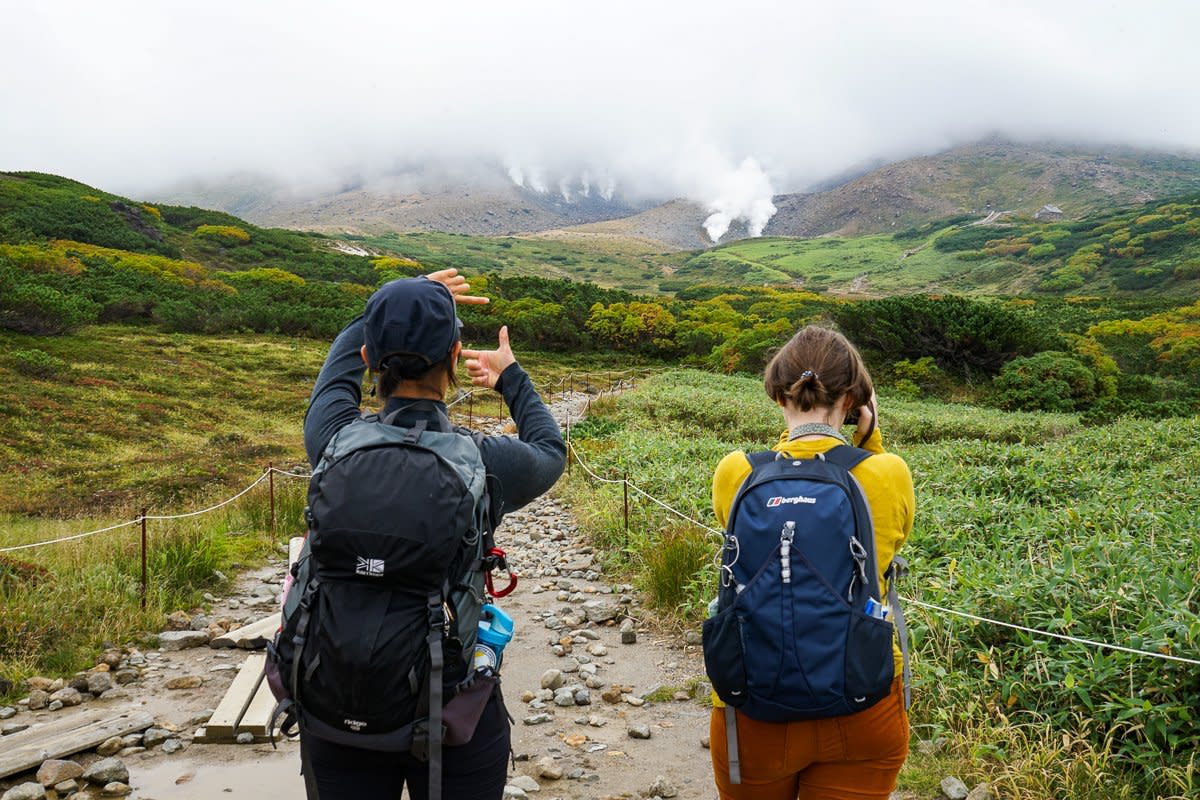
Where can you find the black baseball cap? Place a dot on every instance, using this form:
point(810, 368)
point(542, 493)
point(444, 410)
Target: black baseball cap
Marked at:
point(410, 316)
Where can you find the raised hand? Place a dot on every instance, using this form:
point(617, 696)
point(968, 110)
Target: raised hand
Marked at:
point(485, 366)
point(457, 285)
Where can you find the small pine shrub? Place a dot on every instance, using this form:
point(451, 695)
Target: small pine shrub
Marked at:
point(36, 363)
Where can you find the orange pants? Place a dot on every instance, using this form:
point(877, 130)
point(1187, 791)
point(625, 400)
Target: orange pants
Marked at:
point(856, 757)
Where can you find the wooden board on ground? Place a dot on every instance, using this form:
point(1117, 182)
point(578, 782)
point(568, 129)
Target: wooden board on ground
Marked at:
point(65, 736)
point(220, 726)
point(250, 637)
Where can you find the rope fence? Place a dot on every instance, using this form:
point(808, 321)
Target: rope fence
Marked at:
point(271, 471)
point(629, 485)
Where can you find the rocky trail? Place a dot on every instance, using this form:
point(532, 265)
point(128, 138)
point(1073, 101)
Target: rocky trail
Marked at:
point(604, 706)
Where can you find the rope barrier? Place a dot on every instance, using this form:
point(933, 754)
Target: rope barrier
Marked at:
point(162, 517)
point(1051, 634)
point(266, 474)
point(304, 475)
point(70, 538)
point(918, 603)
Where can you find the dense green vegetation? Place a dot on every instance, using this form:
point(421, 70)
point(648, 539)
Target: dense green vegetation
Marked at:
point(1029, 518)
point(189, 270)
point(1152, 247)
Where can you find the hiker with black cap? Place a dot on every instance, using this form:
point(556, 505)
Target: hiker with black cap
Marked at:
point(376, 655)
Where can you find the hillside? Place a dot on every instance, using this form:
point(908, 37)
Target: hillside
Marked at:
point(971, 179)
point(1152, 247)
point(485, 207)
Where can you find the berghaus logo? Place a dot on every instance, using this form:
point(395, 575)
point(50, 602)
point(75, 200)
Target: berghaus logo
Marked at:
point(799, 499)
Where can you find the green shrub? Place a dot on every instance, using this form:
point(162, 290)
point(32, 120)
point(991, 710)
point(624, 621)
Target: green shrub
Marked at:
point(1050, 381)
point(36, 363)
point(964, 337)
point(30, 307)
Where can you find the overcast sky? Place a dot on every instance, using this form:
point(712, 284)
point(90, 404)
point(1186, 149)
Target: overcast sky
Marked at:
point(719, 102)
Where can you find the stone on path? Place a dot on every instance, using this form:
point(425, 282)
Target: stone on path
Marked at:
point(181, 640)
point(111, 746)
point(643, 732)
point(552, 679)
point(115, 789)
point(628, 633)
point(99, 682)
point(525, 783)
point(953, 788)
point(55, 771)
point(25, 791)
point(981, 792)
point(549, 769)
point(601, 610)
point(514, 793)
point(107, 770)
point(172, 746)
point(156, 736)
point(186, 682)
point(38, 699)
point(537, 719)
point(67, 696)
point(612, 694)
point(245, 737)
point(662, 788)
point(7, 712)
point(179, 621)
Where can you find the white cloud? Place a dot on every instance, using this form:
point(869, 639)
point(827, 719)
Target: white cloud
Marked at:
point(652, 99)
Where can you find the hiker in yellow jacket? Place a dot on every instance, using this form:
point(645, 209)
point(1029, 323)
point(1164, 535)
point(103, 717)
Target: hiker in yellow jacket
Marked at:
point(817, 379)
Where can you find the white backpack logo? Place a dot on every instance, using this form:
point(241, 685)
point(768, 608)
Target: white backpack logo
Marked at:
point(371, 567)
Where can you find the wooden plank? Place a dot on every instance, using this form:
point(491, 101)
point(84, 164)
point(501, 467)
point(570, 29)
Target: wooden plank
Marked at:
point(250, 637)
point(219, 727)
point(64, 737)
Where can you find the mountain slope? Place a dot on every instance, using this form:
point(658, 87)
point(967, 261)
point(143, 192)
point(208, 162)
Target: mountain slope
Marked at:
point(486, 207)
point(971, 179)
point(986, 176)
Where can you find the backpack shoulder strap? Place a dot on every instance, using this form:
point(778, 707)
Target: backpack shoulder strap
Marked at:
point(847, 457)
point(761, 458)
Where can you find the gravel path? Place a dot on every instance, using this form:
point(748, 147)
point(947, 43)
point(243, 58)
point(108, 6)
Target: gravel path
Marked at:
point(600, 702)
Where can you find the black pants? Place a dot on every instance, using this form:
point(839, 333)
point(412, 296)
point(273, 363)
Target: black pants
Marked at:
point(476, 770)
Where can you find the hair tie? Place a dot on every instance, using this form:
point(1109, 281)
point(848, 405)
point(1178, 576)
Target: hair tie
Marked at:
point(808, 373)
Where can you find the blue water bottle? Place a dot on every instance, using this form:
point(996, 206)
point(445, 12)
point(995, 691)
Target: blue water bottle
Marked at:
point(495, 631)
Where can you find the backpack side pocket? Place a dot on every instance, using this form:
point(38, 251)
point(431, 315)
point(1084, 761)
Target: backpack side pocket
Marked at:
point(870, 665)
point(725, 657)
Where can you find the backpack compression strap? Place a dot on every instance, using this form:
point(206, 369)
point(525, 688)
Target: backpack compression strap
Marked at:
point(438, 623)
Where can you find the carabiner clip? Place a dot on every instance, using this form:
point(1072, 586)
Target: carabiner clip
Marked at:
point(496, 559)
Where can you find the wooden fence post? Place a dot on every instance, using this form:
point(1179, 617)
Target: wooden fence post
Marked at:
point(144, 581)
point(625, 487)
point(271, 481)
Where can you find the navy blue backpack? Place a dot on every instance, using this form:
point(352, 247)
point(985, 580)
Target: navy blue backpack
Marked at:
point(792, 638)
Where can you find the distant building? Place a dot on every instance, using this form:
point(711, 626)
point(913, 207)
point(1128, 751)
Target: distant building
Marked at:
point(1048, 213)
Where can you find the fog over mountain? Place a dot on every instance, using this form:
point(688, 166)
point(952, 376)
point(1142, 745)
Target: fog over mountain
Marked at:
point(726, 106)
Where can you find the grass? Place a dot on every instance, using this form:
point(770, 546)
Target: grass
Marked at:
point(62, 604)
point(1022, 517)
point(129, 417)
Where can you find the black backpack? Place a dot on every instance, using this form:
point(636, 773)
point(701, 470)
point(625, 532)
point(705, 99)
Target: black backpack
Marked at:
point(379, 626)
